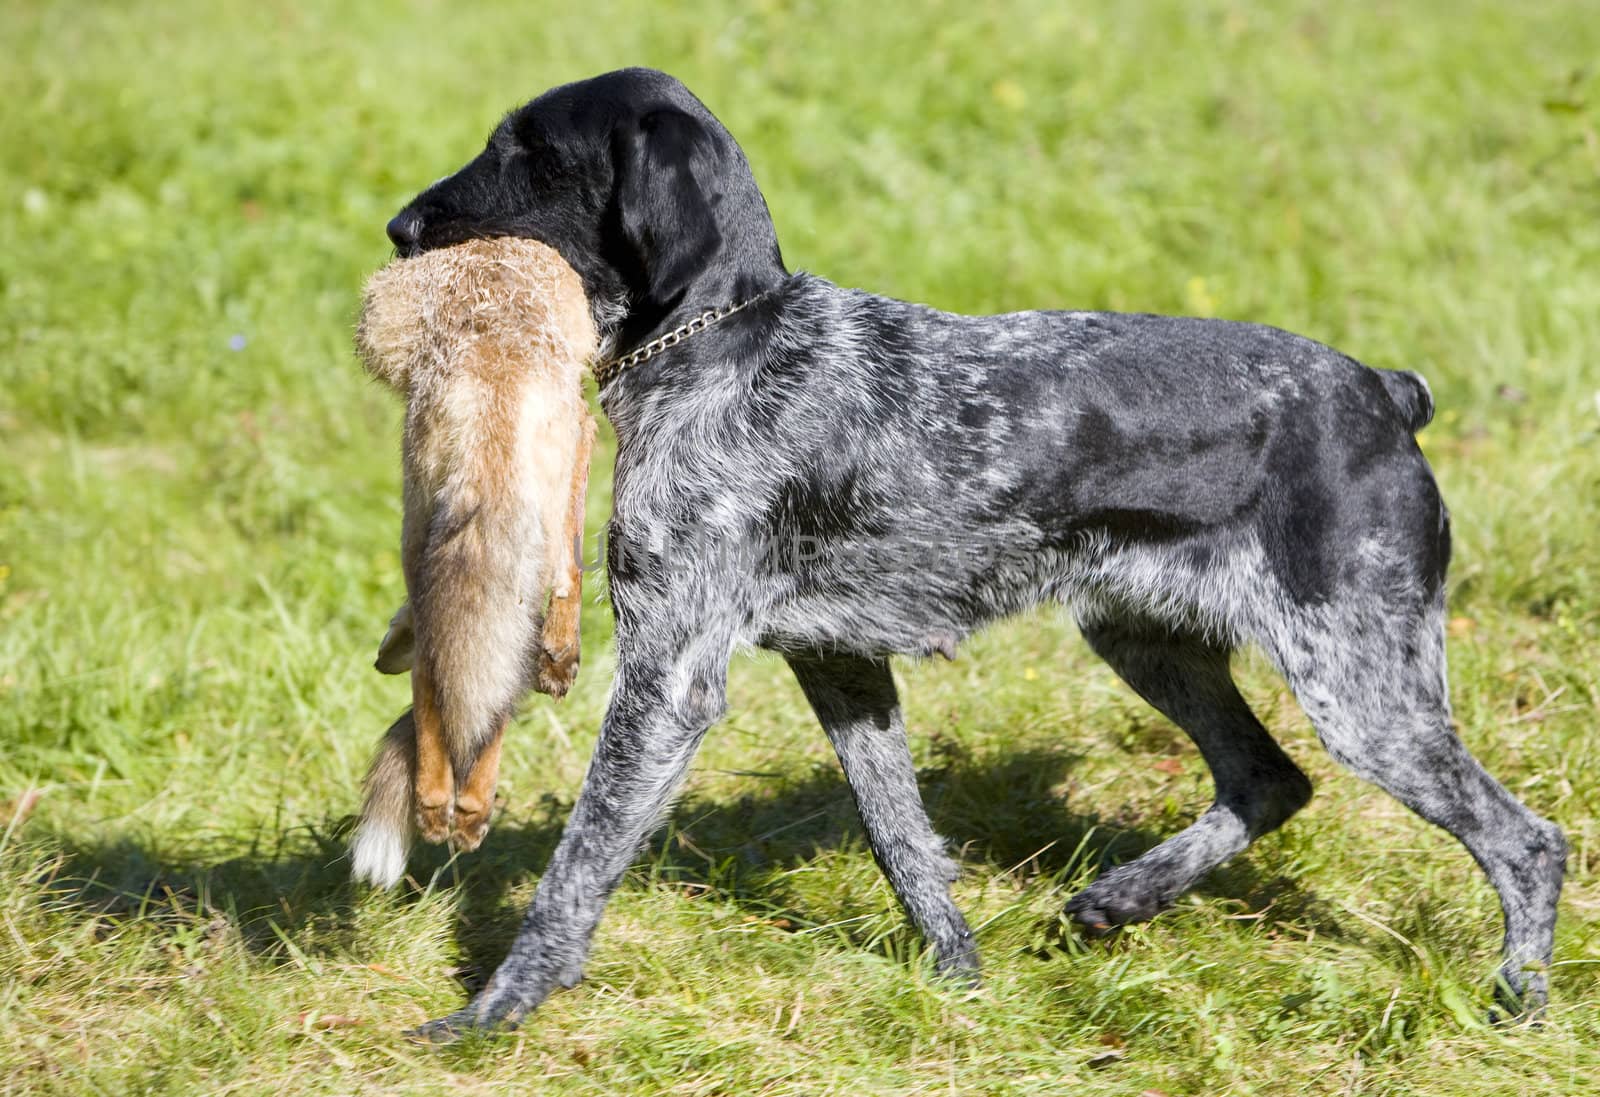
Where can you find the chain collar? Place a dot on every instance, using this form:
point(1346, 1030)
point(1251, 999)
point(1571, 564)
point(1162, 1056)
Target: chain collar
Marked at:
point(612, 368)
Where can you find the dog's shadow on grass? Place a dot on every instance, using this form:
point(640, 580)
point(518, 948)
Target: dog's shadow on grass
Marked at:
point(1005, 812)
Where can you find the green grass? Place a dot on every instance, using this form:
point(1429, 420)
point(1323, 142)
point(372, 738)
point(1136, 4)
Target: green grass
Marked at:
point(198, 552)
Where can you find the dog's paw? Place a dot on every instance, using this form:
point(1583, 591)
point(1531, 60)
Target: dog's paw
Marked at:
point(1121, 897)
point(434, 821)
point(557, 671)
point(1521, 994)
point(488, 1013)
point(960, 968)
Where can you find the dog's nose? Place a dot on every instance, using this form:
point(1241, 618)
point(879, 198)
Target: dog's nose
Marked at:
point(405, 230)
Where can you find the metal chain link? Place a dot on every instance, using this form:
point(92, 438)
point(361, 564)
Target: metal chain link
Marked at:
point(607, 372)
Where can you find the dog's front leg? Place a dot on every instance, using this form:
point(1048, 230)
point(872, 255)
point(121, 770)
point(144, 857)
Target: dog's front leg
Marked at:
point(658, 714)
point(855, 701)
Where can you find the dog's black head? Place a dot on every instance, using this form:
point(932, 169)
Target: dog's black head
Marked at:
point(633, 181)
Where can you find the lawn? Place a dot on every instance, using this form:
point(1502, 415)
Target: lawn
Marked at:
point(199, 515)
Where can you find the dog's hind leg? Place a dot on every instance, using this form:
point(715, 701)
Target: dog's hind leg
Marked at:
point(1373, 683)
point(475, 797)
point(855, 701)
point(1187, 679)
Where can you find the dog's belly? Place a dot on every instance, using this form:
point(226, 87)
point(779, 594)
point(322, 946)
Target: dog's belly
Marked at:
point(909, 609)
point(924, 592)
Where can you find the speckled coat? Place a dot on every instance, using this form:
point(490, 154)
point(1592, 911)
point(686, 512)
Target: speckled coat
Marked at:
point(844, 478)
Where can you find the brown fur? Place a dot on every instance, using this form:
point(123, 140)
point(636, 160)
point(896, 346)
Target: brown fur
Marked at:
point(487, 342)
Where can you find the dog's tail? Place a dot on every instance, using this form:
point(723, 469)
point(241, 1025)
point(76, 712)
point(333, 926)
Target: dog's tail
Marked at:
point(382, 838)
point(1410, 395)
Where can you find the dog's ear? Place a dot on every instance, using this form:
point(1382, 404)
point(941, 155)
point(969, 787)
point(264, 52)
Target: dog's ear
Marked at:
point(664, 167)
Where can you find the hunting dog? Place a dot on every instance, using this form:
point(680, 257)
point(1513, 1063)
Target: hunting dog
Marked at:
point(841, 478)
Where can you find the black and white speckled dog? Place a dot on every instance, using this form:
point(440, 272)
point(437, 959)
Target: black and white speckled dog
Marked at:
point(890, 478)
